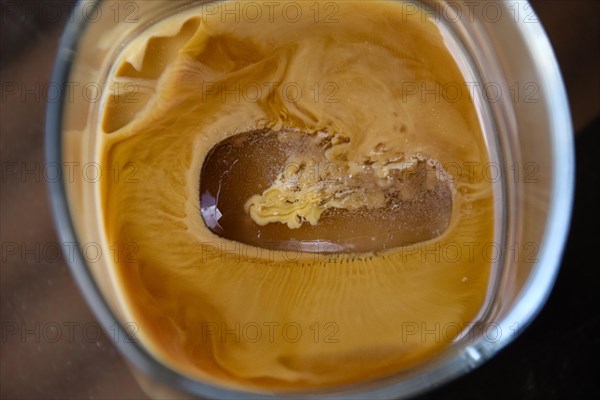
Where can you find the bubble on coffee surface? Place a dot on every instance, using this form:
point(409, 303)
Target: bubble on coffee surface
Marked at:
point(291, 190)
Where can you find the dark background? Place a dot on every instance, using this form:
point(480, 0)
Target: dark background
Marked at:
point(57, 351)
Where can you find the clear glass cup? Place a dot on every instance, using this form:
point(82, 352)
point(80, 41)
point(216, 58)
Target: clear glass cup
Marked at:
point(501, 46)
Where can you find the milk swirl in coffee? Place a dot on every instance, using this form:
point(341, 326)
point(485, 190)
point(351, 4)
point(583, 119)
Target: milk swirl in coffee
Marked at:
point(295, 222)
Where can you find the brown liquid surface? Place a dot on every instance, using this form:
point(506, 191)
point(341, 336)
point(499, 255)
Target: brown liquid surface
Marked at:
point(415, 205)
point(221, 304)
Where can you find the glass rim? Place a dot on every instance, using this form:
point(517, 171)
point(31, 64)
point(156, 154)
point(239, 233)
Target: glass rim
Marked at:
point(530, 301)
